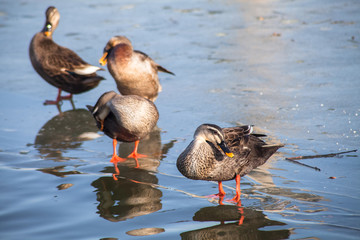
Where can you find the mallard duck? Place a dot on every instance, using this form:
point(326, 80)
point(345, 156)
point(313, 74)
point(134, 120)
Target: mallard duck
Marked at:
point(221, 154)
point(115, 116)
point(135, 73)
point(58, 65)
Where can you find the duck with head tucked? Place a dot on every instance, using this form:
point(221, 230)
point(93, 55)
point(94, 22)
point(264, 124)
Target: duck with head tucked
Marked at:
point(60, 66)
point(115, 116)
point(135, 73)
point(221, 154)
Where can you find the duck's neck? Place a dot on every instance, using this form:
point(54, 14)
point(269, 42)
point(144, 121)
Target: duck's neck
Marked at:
point(197, 159)
point(199, 148)
point(123, 52)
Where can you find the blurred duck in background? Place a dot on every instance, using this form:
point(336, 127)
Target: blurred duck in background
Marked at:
point(60, 66)
point(135, 73)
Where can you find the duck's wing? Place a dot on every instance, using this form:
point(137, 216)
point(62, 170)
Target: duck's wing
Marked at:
point(145, 57)
point(236, 136)
point(55, 59)
point(252, 151)
point(237, 139)
point(67, 60)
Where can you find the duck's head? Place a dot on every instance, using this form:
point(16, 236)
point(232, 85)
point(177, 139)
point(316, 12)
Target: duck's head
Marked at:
point(101, 108)
point(213, 134)
point(114, 41)
point(52, 21)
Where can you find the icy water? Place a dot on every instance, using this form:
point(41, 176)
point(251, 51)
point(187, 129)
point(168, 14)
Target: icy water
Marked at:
point(291, 68)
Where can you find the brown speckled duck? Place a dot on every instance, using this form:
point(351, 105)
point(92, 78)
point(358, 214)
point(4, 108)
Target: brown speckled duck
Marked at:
point(115, 115)
point(221, 154)
point(58, 65)
point(135, 73)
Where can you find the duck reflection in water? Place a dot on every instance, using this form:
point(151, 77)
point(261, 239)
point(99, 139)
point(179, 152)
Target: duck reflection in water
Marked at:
point(249, 229)
point(63, 132)
point(135, 193)
point(125, 199)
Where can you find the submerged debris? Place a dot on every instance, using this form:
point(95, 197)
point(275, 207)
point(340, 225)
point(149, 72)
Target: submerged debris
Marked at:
point(65, 186)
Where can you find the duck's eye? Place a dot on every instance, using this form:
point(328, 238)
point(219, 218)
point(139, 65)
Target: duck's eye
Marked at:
point(48, 27)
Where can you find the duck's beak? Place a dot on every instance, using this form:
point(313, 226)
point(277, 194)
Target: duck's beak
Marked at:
point(226, 150)
point(47, 33)
point(103, 59)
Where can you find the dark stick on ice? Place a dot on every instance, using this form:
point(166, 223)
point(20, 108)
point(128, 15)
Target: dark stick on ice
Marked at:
point(294, 159)
point(319, 156)
point(302, 164)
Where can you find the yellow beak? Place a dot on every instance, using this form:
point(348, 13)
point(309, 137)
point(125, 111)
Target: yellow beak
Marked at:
point(103, 59)
point(225, 149)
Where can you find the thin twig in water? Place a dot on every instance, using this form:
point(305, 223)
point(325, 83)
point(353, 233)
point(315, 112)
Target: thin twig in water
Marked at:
point(302, 164)
point(319, 156)
point(294, 159)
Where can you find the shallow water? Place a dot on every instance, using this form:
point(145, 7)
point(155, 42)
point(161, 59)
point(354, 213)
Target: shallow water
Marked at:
point(289, 67)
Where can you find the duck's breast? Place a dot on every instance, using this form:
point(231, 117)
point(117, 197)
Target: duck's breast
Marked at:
point(134, 74)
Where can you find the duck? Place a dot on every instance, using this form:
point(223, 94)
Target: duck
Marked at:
point(222, 154)
point(60, 66)
point(135, 73)
point(115, 116)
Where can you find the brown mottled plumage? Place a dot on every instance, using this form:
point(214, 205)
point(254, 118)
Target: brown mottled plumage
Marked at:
point(115, 115)
point(204, 158)
point(135, 73)
point(60, 66)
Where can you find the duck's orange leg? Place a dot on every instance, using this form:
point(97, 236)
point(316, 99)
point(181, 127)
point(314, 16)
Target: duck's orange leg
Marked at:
point(59, 98)
point(238, 190)
point(134, 153)
point(221, 193)
point(221, 190)
point(56, 102)
point(115, 159)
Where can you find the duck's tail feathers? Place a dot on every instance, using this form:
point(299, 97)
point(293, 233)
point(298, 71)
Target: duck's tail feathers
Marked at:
point(259, 135)
point(93, 79)
point(277, 146)
point(270, 149)
point(162, 69)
